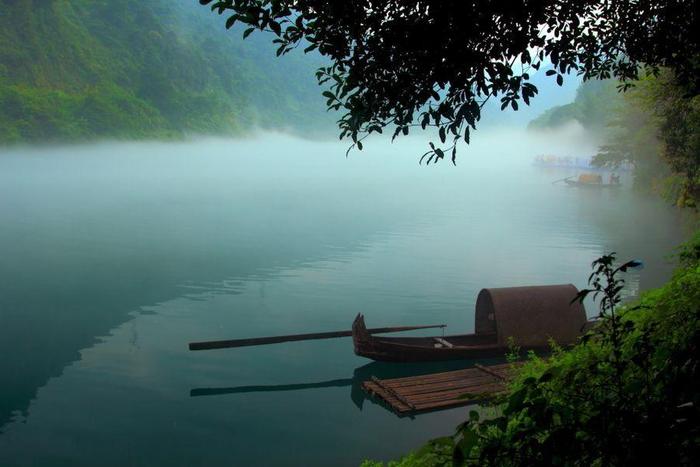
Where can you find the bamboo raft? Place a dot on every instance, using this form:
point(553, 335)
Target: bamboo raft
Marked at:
point(437, 391)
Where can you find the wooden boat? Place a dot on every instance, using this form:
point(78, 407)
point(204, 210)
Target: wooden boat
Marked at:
point(529, 317)
point(591, 181)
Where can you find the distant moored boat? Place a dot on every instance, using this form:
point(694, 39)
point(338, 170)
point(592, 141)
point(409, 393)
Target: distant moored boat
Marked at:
point(589, 180)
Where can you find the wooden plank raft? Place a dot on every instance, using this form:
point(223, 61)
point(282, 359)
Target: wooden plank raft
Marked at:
point(437, 391)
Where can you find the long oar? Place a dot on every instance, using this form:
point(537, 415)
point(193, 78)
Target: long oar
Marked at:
point(297, 337)
point(562, 179)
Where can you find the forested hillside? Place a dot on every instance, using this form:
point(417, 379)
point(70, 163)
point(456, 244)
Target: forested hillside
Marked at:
point(595, 103)
point(85, 69)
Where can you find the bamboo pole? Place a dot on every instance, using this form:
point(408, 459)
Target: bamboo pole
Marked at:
point(225, 344)
point(562, 179)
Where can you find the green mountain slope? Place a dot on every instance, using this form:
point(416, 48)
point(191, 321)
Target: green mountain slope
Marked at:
point(85, 69)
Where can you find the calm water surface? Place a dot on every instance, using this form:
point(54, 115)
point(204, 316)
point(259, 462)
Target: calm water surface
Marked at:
point(114, 256)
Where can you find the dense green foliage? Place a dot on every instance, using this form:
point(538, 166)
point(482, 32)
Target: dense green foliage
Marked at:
point(627, 394)
point(657, 128)
point(401, 63)
point(132, 69)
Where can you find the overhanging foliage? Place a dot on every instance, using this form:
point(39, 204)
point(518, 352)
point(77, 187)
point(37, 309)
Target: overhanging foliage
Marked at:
point(408, 63)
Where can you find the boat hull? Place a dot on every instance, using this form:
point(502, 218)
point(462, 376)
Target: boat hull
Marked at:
point(420, 351)
point(423, 349)
point(440, 348)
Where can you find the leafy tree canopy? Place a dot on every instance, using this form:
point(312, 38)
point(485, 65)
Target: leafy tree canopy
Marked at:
point(657, 128)
point(404, 63)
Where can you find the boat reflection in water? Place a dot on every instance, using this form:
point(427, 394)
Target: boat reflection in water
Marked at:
point(382, 370)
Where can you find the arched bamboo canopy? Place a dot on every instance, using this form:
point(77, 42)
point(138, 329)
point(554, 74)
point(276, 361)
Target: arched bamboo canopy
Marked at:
point(530, 315)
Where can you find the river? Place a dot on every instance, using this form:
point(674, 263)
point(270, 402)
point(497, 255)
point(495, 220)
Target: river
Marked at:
point(116, 255)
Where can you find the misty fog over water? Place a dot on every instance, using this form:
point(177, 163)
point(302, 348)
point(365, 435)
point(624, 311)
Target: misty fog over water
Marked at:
point(116, 255)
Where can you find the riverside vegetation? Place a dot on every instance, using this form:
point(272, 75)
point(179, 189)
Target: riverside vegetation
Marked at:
point(627, 394)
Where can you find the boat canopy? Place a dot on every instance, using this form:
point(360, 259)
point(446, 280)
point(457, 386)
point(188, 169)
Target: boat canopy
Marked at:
point(590, 178)
point(530, 315)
